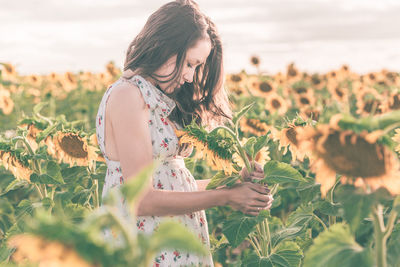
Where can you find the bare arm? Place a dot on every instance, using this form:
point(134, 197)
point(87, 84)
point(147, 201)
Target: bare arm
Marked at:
point(129, 117)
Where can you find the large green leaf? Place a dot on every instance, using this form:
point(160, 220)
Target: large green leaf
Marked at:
point(285, 234)
point(15, 184)
point(301, 217)
point(288, 254)
point(221, 179)
point(173, 235)
point(337, 247)
point(356, 204)
point(280, 172)
point(238, 226)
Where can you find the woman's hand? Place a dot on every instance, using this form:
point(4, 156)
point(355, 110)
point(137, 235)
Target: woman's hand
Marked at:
point(255, 176)
point(249, 198)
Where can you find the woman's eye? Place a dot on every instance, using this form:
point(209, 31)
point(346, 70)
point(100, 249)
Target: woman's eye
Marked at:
point(189, 65)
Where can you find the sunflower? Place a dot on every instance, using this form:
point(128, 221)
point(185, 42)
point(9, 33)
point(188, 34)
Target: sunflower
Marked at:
point(36, 249)
point(369, 102)
point(217, 152)
point(34, 80)
point(6, 103)
point(259, 87)
point(8, 72)
point(236, 83)
point(112, 69)
point(17, 167)
point(391, 102)
point(312, 113)
point(254, 126)
point(31, 136)
point(356, 156)
point(338, 92)
point(276, 104)
point(292, 73)
point(71, 148)
point(306, 100)
point(288, 139)
point(69, 82)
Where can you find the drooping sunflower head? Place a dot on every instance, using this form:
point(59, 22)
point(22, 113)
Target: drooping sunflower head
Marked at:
point(15, 163)
point(255, 60)
point(353, 155)
point(214, 148)
point(70, 147)
point(369, 102)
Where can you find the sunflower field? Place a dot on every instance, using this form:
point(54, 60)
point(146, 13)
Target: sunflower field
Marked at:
point(329, 144)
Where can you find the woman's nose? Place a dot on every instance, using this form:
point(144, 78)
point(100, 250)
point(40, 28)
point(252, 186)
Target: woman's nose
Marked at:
point(188, 76)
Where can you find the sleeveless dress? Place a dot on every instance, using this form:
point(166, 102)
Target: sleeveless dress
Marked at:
point(171, 173)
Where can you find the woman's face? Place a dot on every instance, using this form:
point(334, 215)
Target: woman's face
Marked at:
point(195, 56)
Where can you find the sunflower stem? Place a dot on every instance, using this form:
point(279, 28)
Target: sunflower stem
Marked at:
point(266, 226)
point(320, 221)
point(39, 191)
point(257, 250)
point(380, 238)
point(96, 194)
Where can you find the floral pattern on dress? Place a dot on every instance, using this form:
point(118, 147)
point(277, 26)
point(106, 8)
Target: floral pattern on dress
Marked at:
point(171, 174)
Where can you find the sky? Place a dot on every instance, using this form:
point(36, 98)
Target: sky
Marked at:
point(317, 35)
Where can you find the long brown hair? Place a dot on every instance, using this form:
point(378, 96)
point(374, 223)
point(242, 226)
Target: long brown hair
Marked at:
point(172, 30)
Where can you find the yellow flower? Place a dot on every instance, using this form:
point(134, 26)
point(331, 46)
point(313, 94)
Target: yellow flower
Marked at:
point(6, 103)
point(276, 104)
point(288, 139)
point(71, 148)
point(254, 126)
point(33, 249)
point(19, 169)
point(356, 156)
point(8, 72)
point(215, 159)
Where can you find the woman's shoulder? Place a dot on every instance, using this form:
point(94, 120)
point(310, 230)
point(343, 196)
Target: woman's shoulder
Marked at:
point(125, 94)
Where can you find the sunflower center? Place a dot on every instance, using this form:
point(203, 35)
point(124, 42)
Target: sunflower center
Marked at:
point(304, 101)
point(73, 146)
point(354, 159)
point(301, 90)
point(265, 87)
point(315, 79)
point(236, 78)
point(276, 104)
point(371, 105)
point(339, 92)
point(292, 135)
point(255, 124)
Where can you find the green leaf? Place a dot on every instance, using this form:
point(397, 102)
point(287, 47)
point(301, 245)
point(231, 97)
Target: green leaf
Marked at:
point(236, 118)
point(280, 172)
point(134, 185)
point(221, 179)
point(238, 226)
point(356, 204)
point(173, 235)
point(301, 216)
point(288, 254)
point(54, 171)
point(15, 184)
point(260, 143)
point(285, 234)
point(327, 208)
point(309, 191)
point(337, 247)
point(43, 179)
point(249, 146)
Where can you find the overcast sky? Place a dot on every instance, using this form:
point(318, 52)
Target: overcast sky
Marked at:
point(41, 36)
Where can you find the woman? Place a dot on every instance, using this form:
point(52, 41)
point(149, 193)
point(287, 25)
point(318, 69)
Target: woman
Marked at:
point(173, 73)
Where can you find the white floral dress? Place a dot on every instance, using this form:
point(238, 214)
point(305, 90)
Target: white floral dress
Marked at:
point(170, 175)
